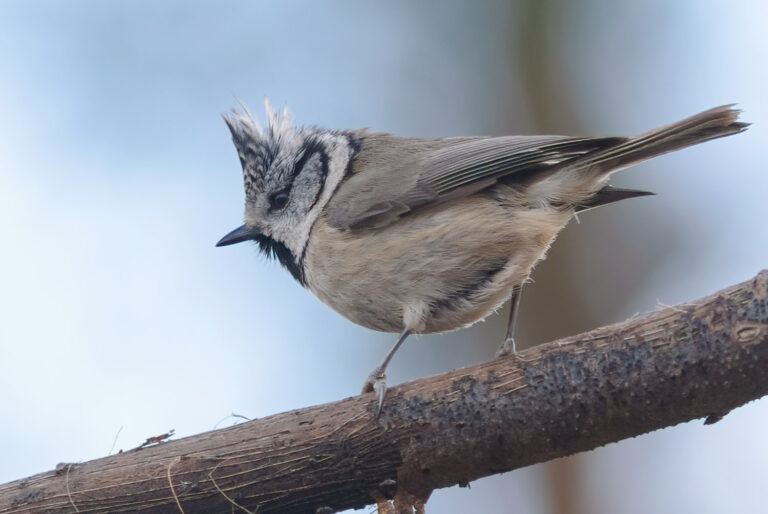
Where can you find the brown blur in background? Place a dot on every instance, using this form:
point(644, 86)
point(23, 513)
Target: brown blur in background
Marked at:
point(117, 176)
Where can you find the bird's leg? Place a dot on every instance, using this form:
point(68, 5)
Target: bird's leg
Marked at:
point(377, 380)
point(508, 346)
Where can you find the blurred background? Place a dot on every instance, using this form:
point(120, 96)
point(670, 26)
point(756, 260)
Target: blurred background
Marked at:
point(119, 320)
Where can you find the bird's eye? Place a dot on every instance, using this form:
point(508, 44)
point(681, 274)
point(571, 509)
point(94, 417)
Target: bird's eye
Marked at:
point(278, 200)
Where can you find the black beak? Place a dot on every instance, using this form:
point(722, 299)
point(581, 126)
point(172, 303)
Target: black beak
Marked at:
point(238, 235)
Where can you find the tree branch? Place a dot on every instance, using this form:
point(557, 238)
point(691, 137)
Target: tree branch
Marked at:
point(699, 359)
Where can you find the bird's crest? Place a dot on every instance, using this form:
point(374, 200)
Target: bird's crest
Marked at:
point(243, 125)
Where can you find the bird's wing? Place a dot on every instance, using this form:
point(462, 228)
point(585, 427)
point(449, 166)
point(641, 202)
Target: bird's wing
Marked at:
point(431, 172)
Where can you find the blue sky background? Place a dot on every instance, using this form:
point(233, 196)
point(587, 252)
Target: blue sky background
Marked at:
point(117, 177)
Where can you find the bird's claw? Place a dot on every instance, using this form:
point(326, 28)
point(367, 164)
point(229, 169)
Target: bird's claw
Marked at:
point(506, 348)
point(377, 382)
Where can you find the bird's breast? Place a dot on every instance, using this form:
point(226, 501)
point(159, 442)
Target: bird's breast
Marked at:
point(434, 270)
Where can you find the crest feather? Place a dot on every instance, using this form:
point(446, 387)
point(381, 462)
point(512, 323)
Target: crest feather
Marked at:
point(279, 124)
point(253, 121)
point(243, 124)
point(271, 116)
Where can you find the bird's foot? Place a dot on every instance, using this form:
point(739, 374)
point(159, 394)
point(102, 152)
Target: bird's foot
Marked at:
point(507, 348)
point(377, 382)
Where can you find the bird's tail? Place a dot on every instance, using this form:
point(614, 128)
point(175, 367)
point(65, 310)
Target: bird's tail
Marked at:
point(582, 181)
point(718, 122)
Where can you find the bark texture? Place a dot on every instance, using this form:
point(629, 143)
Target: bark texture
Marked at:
point(695, 360)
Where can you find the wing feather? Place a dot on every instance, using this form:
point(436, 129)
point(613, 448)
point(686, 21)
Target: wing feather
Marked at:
point(381, 191)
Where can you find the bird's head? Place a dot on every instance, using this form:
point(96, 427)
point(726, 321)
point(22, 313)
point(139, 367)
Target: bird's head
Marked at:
point(289, 174)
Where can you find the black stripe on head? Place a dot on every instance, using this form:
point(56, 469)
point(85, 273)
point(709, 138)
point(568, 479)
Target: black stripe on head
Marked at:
point(313, 147)
point(309, 147)
point(277, 250)
point(355, 143)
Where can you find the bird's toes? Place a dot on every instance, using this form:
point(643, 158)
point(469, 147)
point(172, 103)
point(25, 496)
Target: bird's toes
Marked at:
point(377, 382)
point(507, 348)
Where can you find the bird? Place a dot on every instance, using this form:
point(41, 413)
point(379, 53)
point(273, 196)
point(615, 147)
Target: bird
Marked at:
point(419, 235)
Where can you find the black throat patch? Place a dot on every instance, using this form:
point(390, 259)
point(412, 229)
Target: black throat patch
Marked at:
point(277, 250)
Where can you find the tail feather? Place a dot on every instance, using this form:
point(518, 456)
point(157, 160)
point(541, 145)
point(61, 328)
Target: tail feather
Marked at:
point(711, 124)
point(581, 182)
point(609, 194)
